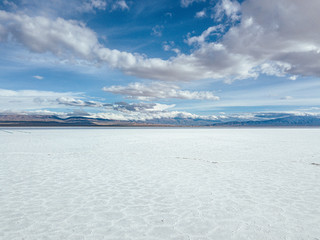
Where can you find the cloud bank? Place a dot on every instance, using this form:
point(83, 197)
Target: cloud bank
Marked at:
point(277, 37)
point(32, 99)
point(157, 90)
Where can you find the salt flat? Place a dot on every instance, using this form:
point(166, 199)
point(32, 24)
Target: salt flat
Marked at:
point(160, 184)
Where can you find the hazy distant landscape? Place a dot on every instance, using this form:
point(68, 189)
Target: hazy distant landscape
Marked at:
point(256, 120)
point(67, 183)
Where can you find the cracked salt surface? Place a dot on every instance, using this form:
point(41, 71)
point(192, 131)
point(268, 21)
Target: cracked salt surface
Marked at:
point(150, 184)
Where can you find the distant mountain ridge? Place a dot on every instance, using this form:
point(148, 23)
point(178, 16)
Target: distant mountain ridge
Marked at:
point(259, 120)
point(52, 120)
point(308, 121)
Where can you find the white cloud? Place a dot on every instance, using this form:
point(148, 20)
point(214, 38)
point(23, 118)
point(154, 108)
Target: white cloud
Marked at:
point(38, 77)
point(158, 90)
point(118, 106)
point(169, 46)
point(91, 5)
point(276, 37)
point(157, 30)
point(201, 14)
point(69, 101)
point(187, 3)
point(21, 100)
point(42, 112)
point(293, 78)
point(99, 4)
point(229, 8)
point(140, 107)
point(120, 4)
point(38, 102)
point(166, 47)
point(287, 98)
point(40, 34)
point(143, 116)
point(32, 93)
point(204, 35)
point(275, 68)
point(10, 4)
point(279, 32)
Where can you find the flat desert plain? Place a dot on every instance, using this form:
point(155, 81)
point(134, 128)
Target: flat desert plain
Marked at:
point(170, 184)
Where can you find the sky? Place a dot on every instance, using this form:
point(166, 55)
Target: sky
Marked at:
point(140, 60)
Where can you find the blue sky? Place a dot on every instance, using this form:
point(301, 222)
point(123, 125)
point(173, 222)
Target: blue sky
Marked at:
point(136, 60)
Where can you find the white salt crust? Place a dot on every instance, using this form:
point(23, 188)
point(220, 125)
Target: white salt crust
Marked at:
point(179, 184)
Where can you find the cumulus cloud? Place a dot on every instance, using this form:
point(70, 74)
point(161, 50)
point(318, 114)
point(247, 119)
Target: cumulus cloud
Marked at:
point(40, 35)
point(229, 8)
point(276, 37)
point(158, 90)
point(170, 46)
point(281, 32)
point(201, 14)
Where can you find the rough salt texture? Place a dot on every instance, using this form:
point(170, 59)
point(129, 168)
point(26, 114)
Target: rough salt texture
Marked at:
point(191, 184)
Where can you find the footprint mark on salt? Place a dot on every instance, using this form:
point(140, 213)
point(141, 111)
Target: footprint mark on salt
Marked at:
point(315, 164)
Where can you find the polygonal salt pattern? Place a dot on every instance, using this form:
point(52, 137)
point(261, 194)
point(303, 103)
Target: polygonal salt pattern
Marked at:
point(188, 184)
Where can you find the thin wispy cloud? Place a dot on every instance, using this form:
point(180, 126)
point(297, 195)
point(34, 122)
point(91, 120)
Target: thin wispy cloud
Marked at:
point(69, 101)
point(91, 5)
point(187, 3)
point(19, 100)
point(157, 30)
point(120, 4)
point(140, 107)
point(10, 4)
point(204, 35)
point(38, 77)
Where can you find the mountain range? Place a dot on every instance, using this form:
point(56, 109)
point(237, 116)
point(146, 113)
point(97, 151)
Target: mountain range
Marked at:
point(256, 120)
